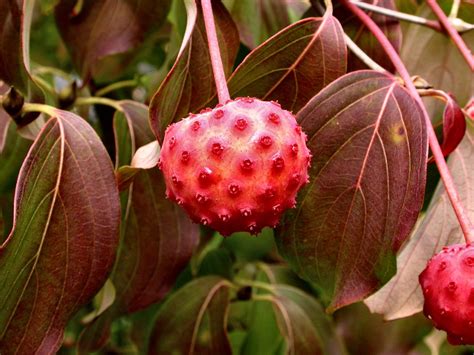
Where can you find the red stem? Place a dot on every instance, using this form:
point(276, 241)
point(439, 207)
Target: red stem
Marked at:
point(461, 214)
point(455, 37)
point(216, 60)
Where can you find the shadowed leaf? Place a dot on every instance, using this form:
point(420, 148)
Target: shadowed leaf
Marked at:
point(293, 65)
point(157, 238)
point(364, 38)
point(64, 237)
point(14, 49)
point(259, 19)
point(369, 145)
point(303, 322)
point(94, 30)
point(402, 296)
point(190, 84)
point(367, 333)
point(193, 320)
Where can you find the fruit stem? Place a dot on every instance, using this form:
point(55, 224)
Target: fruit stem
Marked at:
point(460, 211)
point(455, 37)
point(216, 60)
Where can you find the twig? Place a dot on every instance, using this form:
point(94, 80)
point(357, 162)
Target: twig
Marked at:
point(455, 37)
point(454, 9)
point(398, 15)
point(460, 211)
point(372, 64)
point(97, 101)
point(216, 60)
point(116, 86)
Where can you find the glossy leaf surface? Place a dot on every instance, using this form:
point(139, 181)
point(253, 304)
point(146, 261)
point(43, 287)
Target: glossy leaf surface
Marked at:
point(190, 83)
point(369, 146)
point(284, 67)
point(93, 30)
point(193, 320)
point(64, 237)
point(402, 296)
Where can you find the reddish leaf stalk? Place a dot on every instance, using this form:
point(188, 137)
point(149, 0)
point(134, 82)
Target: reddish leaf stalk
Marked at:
point(461, 214)
point(216, 60)
point(455, 37)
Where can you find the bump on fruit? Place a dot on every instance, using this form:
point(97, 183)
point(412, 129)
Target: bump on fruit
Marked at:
point(448, 288)
point(236, 167)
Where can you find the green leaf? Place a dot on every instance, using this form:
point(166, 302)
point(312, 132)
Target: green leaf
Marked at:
point(14, 47)
point(190, 84)
point(369, 145)
point(157, 238)
point(193, 320)
point(95, 30)
point(303, 322)
point(283, 68)
point(259, 19)
point(64, 237)
point(402, 296)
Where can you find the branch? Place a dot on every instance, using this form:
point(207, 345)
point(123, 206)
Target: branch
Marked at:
point(359, 53)
point(398, 15)
point(216, 60)
point(460, 211)
point(455, 37)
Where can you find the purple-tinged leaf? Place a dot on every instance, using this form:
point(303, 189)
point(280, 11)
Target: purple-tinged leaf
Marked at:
point(63, 242)
point(94, 30)
point(190, 84)
point(157, 238)
point(402, 295)
point(454, 123)
point(303, 322)
point(4, 120)
point(364, 38)
point(193, 320)
point(257, 20)
point(293, 65)
point(369, 145)
point(469, 109)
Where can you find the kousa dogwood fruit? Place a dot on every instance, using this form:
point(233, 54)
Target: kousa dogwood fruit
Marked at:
point(448, 288)
point(236, 167)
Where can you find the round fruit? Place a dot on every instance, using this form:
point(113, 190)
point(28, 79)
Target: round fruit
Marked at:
point(448, 287)
point(237, 167)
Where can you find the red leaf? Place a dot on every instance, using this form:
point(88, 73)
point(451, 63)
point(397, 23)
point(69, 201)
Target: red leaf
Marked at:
point(369, 145)
point(64, 238)
point(190, 84)
point(454, 125)
point(283, 68)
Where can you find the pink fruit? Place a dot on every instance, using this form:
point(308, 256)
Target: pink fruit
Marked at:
point(448, 287)
point(237, 167)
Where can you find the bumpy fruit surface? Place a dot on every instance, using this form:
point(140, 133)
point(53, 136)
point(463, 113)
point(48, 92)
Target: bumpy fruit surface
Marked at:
point(237, 167)
point(448, 288)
